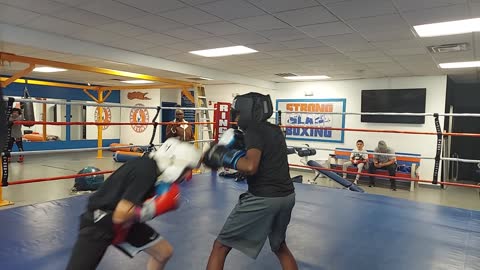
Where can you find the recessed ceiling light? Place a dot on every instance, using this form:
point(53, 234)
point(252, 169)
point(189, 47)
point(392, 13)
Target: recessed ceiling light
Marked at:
point(471, 64)
point(137, 81)
point(48, 69)
point(304, 78)
point(234, 50)
point(448, 28)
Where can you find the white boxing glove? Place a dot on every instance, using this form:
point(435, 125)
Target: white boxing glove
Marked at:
point(174, 158)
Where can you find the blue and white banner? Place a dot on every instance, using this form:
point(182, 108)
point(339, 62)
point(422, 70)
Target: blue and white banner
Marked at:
point(308, 112)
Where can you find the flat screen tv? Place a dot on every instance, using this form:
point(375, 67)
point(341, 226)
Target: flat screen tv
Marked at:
point(394, 100)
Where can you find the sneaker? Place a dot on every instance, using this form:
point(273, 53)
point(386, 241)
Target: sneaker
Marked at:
point(344, 176)
point(20, 159)
point(356, 182)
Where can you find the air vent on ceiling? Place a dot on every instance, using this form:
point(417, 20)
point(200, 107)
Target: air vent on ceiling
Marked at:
point(286, 74)
point(446, 48)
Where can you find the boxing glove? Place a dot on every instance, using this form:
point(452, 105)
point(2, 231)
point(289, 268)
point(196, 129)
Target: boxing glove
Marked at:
point(232, 139)
point(121, 232)
point(161, 203)
point(220, 156)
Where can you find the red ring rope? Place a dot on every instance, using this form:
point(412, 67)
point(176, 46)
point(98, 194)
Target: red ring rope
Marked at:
point(386, 131)
point(29, 123)
point(35, 180)
point(386, 176)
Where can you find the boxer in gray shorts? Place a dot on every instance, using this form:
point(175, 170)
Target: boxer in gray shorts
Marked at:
point(260, 152)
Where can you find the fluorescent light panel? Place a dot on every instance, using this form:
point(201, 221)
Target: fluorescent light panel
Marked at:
point(471, 64)
point(137, 81)
point(48, 69)
point(304, 78)
point(448, 28)
point(234, 50)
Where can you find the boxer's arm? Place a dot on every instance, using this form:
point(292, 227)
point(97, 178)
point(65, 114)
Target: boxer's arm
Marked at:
point(124, 212)
point(250, 162)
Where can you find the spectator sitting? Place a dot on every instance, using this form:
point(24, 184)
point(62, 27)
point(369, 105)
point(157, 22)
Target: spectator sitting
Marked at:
point(183, 132)
point(386, 162)
point(358, 158)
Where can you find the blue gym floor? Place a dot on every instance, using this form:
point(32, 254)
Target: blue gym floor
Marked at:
point(330, 229)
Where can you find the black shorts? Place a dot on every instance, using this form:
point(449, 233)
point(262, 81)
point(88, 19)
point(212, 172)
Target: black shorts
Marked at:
point(95, 236)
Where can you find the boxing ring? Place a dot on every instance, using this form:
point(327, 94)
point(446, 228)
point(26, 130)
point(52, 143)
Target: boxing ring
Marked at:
point(330, 229)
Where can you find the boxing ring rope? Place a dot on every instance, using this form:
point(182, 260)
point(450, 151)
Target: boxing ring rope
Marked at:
point(386, 176)
point(63, 177)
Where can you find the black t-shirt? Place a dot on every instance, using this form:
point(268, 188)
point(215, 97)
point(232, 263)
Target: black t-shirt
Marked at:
point(273, 175)
point(134, 181)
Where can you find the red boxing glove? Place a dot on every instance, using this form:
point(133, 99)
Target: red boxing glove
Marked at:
point(159, 204)
point(121, 232)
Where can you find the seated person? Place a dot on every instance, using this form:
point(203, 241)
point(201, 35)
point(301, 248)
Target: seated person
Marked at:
point(383, 162)
point(358, 158)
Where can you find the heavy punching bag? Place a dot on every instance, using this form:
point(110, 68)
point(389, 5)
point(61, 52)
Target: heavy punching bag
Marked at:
point(27, 107)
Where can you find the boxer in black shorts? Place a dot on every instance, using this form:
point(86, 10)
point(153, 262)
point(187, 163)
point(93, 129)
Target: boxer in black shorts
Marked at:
point(3, 120)
point(265, 209)
point(117, 212)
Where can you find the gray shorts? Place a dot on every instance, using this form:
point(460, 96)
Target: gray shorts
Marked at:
point(254, 219)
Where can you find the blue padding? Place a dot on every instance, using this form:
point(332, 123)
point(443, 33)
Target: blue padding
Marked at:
point(330, 229)
point(119, 157)
point(55, 145)
point(335, 177)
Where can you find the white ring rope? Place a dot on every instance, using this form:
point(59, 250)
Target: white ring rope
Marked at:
point(106, 104)
point(394, 155)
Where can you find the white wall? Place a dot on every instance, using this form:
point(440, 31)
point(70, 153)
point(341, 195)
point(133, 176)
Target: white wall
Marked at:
point(127, 133)
point(108, 132)
point(351, 90)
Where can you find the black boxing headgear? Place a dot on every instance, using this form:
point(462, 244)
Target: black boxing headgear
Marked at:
point(252, 108)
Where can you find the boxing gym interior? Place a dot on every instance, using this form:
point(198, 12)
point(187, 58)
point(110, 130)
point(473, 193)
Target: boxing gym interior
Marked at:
point(91, 85)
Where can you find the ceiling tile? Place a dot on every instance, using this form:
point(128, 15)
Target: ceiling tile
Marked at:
point(113, 10)
point(306, 16)
point(215, 42)
point(246, 38)
point(399, 44)
point(388, 35)
point(358, 9)
point(302, 43)
point(16, 49)
point(154, 6)
point(319, 50)
point(366, 60)
point(231, 9)
point(454, 56)
point(197, 2)
point(54, 25)
point(38, 6)
point(283, 5)
point(348, 42)
point(434, 15)
point(155, 23)
point(221, 28)
point(405, 51)
point(131, 45)
point(160, 51)
point(370, 54)
point(283, 34)
point(379, 23)
point(185, 46)
point(188, 33)
point(409, 5)
point(124, 29)
point(267, 47)
point(189, 16)
point(284, 53)
point(259, 23)
point(97, 36)
point(73, 2)
point(326, 29)
point(82, 17)
point(184, 57)
point(159, 39)
point(413, 59)
point(15, 16)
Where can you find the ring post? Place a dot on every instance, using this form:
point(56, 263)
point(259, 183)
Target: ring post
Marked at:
point(100, 127)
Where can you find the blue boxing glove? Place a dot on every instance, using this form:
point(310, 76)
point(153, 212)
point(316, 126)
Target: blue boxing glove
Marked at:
point(221, 156)
point(232, 139)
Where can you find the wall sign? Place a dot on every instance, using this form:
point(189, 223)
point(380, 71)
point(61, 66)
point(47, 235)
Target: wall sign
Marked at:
point(309, 112)
point(106, 117)
point(139, 115)
point(138, 95)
